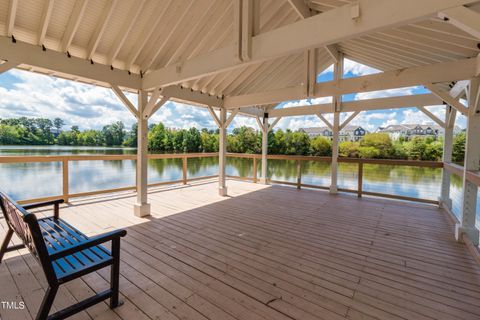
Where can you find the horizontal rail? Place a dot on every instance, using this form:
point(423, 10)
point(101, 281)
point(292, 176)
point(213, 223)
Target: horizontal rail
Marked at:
point(65, 159)
point(111, 190)
point(112, 157)
point(413, 163)
point(26, 159)
point(472, 176)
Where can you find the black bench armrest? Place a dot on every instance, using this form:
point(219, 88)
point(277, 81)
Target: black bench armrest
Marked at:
point(88, 243)
point(55, 203)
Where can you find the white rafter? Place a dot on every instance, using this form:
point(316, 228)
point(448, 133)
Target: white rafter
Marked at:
point(332, 50)
point(349, 119)
point(324, 120)
point(459, 89)
point(445, 96)
point(214, 116)
point(463, 18)
point(119, 93)
point(440, 72)
point(432, 116)
point(73, 24)
point(147, 32)
point(46, 14)
point(127, 26)
point(303, 35)
point(360, 105)
point(300, 8)
point(100, 28)
point(10, 22)
point(58, 62)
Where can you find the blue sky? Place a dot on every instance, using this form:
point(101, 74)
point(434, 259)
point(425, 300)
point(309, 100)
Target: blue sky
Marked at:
point(27, 94)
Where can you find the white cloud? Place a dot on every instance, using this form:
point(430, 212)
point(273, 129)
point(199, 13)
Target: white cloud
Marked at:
point(385, 93)
point(357, 69)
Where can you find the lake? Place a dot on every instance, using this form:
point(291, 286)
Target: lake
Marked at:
point(32, 180)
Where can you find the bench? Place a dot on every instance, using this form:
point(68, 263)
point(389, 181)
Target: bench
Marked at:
point(63, 252)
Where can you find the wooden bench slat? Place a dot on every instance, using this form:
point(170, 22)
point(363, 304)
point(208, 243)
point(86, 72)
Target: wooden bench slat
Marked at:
point(63, 252)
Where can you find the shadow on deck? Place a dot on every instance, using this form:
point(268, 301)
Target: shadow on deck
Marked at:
point(266, 252)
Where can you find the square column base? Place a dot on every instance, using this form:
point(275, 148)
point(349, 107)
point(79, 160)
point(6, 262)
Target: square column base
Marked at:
point(141, 209)
point(222, 191)
point(263, 181)
point(333, 190)
point(472, 233)
point(445, 203)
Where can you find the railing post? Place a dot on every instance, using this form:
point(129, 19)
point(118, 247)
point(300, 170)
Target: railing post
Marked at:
point(467, 225)
point(445, 199)
point(65, 179)
point(299, 174)
point(254, 169)
point(360, 179)
point(184, 175)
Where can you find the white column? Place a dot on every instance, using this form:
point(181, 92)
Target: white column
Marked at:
point(472, 162)
point(264, 177)
point(337, 101)
point(222, 152)
point(142, 207)
point(334, 166)
point(450, 114)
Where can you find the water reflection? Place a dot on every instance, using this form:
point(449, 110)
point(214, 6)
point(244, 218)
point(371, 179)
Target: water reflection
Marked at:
point(31, 180)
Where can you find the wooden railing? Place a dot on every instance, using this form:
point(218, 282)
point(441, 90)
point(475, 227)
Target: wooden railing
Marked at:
point(298, 183)
point(360, 172)
point(65, 160)
point(472, 176)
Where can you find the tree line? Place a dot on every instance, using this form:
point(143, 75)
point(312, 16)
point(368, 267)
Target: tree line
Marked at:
point(41, 131)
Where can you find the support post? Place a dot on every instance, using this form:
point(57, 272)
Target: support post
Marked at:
point(472, 163)
point(264, 177)
point(334, 166)
point(337, 102)
point(65, 182)
point(450, 114)
point(222, 153)
point(142, 207)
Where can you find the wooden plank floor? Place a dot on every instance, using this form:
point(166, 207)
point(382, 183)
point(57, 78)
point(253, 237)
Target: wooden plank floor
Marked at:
point(265, 252)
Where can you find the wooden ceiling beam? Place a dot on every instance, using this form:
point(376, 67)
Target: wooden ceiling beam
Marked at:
point(11, 14)
point(303, 35)
point(440, 72)
point(73, 24)
point(100, 28)
point(463, 18)
point(44, 21)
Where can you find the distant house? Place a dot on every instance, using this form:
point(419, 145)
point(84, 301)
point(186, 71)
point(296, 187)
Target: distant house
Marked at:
point(408, 131)
point(349, 133)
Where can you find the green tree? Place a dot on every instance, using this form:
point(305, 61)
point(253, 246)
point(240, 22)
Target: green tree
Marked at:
point(349, 149)
point(320, 146)
point(379, 141)
point(9, 135)
point(369, 152)
point(58, 124)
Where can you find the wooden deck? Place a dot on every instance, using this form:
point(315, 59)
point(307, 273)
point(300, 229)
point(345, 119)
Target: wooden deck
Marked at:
point(265, 253)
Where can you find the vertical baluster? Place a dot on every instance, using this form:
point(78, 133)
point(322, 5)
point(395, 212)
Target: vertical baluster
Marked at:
point(299, 174)
point(360, 179)
point(184, 160)
point(65, 179)
point(254, 169)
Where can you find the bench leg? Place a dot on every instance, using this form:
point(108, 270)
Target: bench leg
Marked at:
point(46, 303)
point(115, 274)
point(5, 242)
